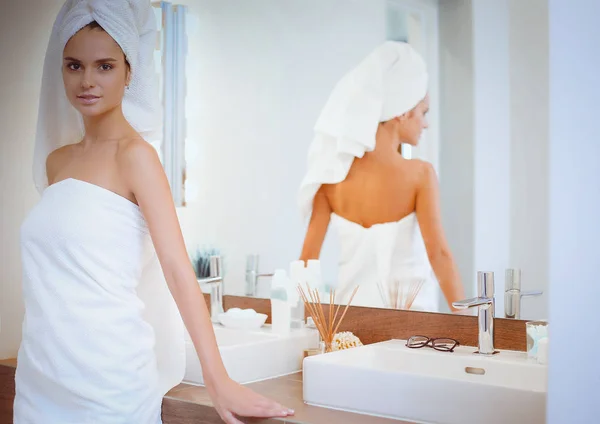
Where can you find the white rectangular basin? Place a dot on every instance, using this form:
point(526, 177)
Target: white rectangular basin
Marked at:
point(423, 385)
point(253, 355)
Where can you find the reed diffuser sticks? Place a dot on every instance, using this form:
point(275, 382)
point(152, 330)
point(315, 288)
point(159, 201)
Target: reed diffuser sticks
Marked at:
point(400, 294)
point(327, 324)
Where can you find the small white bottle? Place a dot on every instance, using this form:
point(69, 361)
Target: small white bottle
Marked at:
point(281, 311)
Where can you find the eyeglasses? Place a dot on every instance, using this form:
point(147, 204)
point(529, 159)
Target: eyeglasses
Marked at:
point(441, 344)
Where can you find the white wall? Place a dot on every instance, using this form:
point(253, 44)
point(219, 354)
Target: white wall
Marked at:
point(24, 29)
point(457, 134)
point(574, 369)
point(529, 128)
point(260, 72)
point(494, 141)
point(492, 154)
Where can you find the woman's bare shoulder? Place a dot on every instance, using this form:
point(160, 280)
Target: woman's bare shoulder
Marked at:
point(136, 154)
point(135, 147)
point(420, 167)
point(425, 173)
point(61, 153)
point(57, 159)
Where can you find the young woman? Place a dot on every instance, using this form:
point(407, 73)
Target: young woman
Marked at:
point(384, 207)
point(87, 353)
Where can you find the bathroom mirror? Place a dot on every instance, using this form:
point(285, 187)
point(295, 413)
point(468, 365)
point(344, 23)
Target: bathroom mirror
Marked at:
point(259, 74)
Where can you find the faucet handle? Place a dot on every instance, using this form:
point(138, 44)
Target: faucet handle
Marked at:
point(532, 293)
point(485, 292)
point(513, 293)
point(512, 281)
point(470, 303)
point(512, 302)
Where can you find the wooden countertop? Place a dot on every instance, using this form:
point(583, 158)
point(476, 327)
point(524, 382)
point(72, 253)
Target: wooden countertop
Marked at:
point(9, 362)
point(189, 404)
point(286, 390)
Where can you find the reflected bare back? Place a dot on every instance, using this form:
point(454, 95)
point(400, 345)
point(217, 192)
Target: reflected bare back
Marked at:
point(381, 188)
point(376, 191)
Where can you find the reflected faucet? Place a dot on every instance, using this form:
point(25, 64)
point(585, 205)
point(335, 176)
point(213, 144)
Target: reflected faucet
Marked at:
point(214, 285)
point(485, 303)
point(252, 275)
point(513, 294)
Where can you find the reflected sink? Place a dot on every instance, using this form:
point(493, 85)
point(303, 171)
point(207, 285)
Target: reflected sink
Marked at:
point(423, 385)
point(254, 355)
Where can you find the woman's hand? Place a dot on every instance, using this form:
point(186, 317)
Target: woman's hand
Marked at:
point(232, 399)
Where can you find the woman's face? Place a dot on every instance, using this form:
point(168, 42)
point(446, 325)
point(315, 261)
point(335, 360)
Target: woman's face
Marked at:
point(95, 72)
point(413, 123)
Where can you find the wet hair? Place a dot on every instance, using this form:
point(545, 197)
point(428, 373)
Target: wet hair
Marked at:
point(96, 25)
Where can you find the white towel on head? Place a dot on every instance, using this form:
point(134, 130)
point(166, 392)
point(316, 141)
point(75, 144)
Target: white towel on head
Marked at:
point(131, 23)
point(389, 82)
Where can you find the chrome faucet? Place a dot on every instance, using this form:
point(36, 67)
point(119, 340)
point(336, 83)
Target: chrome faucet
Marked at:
point(214, 284)
point(485, 303)
point(252, 275)
point(513, 294)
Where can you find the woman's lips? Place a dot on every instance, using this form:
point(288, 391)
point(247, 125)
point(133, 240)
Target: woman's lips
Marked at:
point(88, 99)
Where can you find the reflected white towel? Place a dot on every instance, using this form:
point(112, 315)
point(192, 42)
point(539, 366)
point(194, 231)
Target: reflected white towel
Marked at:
point(381, 254)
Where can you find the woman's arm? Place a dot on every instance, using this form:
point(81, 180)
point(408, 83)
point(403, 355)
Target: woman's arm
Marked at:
point(141, 169)
point(317, 227)
point(430, 222)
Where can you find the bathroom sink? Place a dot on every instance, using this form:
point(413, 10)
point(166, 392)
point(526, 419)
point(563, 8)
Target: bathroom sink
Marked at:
point(253, 355)
point(423, 385)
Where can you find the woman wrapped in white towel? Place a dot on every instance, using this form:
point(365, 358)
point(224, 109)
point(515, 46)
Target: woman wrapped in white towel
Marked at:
point(103, 333)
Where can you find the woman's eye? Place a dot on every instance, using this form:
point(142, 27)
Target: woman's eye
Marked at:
point(74, 66)
point(106, 67)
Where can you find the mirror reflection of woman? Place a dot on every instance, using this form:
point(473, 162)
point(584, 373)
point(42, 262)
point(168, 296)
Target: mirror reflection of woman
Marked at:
point(103, 337)
point(384, 207)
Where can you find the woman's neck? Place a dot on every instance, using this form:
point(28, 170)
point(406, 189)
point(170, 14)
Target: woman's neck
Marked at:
point(111, 125)
point(387, 144)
